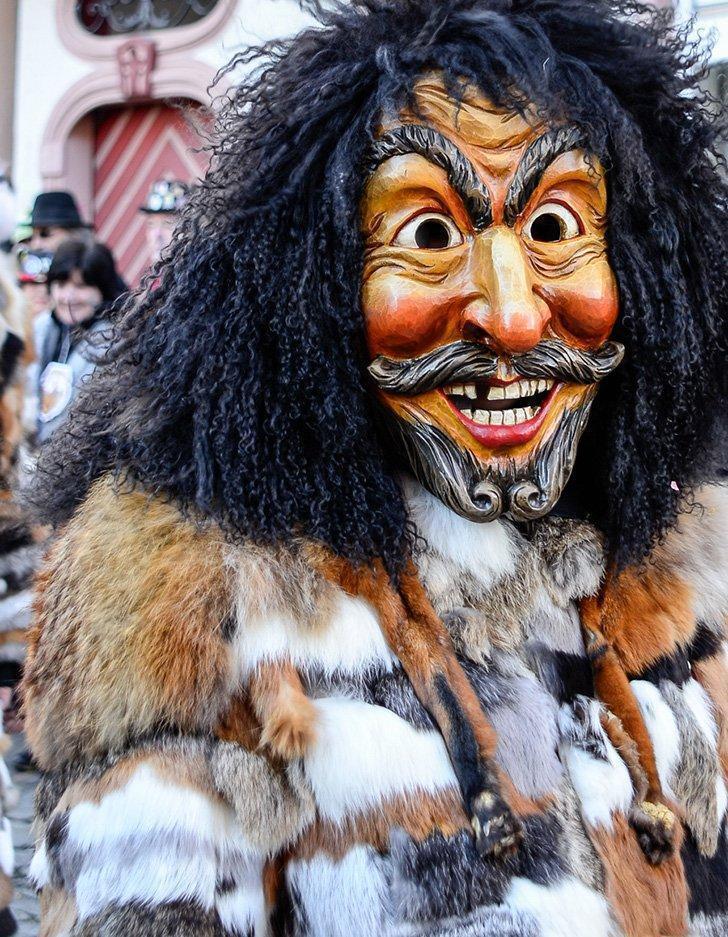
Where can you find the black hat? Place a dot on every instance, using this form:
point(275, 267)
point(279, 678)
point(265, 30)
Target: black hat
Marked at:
point(56, 209)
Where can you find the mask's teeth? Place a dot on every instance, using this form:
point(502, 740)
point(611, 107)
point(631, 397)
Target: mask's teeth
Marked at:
point(501, 417)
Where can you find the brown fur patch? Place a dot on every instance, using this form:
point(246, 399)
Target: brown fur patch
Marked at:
point(613, 689)
point(282, 579)
point(58, 912)
point(15, 634)
point(239, 723)
point(419, 815)
point(6, 890)
point(628, 752)
point(287, 716)
point(649, 901)
point(128, 635)
point(646, 613)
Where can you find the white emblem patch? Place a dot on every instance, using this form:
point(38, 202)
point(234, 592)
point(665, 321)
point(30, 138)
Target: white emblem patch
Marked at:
point(56, 390)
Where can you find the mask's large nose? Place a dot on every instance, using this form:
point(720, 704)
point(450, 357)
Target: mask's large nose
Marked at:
point(504, 313)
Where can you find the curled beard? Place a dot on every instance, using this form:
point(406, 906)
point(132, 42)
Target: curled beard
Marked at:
point(484, 492)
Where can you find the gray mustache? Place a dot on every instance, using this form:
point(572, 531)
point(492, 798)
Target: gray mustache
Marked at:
point(462, 362)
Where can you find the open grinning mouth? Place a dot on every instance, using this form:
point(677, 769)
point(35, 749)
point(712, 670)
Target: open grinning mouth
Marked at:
point(492, 403)
point(499, 414)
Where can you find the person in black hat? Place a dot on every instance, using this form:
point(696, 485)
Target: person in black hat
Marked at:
point(55, 216)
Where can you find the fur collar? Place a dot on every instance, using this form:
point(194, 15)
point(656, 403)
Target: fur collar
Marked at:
point(154, 619)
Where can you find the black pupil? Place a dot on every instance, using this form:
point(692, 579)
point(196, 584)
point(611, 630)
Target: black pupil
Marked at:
point(547, 227)
point(432, 235)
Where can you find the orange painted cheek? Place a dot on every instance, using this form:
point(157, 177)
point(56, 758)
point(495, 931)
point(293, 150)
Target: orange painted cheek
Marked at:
point(403, 318)
point(584, 311)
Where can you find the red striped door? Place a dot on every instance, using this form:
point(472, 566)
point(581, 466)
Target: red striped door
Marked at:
point(136, 146)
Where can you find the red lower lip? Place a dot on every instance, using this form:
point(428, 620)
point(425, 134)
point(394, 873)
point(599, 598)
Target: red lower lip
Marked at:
point(496, 437)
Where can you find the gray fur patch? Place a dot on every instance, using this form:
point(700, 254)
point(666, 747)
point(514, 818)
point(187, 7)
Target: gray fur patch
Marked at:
point(528, 740)
point(394, 692)
point(702, 925)
point(179, 919)
point(697, 773)
point(495, 610)
point(579, 855)
point(555, 626)
point(435, 879)
point(573, 557)
point(491, 921)
point(272, 806)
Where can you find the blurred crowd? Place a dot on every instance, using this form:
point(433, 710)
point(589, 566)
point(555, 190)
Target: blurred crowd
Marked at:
point(58, 289)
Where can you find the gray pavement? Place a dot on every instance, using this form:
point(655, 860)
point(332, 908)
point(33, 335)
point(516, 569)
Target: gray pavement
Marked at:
point(25, 902)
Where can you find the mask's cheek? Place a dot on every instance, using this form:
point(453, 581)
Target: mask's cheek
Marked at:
point(584, 305)
point(402, 316)
point(413, 303)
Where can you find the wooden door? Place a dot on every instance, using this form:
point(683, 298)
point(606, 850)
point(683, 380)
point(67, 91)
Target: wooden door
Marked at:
point(136, 146)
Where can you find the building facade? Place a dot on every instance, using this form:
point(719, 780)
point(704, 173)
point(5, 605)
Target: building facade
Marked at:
point(108, 93)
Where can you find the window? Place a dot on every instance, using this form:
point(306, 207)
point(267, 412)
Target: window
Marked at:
point(116, 17)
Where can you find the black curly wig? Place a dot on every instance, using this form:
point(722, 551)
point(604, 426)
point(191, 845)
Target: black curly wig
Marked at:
point(237, 382)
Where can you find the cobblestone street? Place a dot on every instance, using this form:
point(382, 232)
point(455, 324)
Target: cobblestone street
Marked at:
point(25, 903)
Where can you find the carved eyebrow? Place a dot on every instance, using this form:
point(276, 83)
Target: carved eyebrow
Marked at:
point(534, 163)
point(436, 148)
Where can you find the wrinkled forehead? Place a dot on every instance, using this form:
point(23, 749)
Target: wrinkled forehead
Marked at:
point(489, 136)
point(495, 144)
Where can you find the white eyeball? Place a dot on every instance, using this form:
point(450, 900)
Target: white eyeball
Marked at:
point(430, 232)
point(552, 222)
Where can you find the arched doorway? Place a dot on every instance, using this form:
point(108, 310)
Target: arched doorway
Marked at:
point(134, 146)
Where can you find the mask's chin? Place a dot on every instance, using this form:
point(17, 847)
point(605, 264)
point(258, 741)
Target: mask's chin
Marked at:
point(481, 491)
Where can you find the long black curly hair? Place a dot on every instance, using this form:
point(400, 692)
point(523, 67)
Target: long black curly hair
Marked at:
point(237, 381)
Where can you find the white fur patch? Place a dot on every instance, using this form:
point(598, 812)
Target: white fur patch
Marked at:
point(662, 726)
point(701, 707)
point(16, 610)
point(38, 870)
point(7, 853)
point(156, 842)
point(603, 787)
point(364, 753)
point(351, 643)
point(243, 906)
point(569, 909)
point(347, 897)
point(486, 551)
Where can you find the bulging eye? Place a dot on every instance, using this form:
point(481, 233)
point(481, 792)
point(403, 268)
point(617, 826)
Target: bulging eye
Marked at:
point(552, 222)
point(430, 232)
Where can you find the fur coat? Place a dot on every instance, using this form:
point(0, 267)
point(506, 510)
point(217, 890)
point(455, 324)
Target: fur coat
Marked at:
point(166, 810)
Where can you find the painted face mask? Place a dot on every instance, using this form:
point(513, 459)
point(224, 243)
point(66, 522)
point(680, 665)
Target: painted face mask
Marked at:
point(488, 299)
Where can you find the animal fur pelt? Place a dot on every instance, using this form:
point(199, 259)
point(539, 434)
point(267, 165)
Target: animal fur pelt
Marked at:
point(241, 715)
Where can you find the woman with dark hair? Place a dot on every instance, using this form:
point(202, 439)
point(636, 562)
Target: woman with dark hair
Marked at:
point(84, 284)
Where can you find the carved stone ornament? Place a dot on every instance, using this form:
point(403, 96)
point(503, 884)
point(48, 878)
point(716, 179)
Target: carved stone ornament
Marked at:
point(136, 59)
